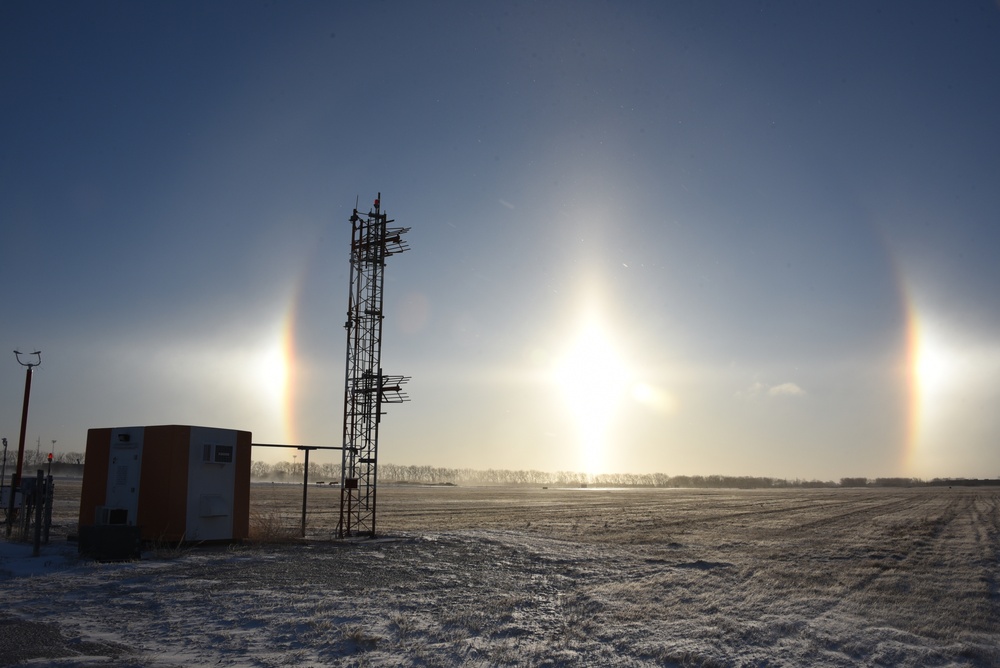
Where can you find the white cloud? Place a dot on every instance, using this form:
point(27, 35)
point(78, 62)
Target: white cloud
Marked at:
point(785, 390)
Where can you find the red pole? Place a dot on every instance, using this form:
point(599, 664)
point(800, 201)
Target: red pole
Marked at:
point(24, 426)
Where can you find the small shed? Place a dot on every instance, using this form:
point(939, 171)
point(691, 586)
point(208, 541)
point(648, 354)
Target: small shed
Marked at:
point(176, 483)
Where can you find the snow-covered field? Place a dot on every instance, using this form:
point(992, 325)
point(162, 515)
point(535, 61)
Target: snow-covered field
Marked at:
point(493, 577)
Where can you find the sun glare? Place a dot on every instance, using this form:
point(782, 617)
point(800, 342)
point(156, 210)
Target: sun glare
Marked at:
point(593, 378)
point(944, 370)
point(953, 376)
point(272, 373)
point(935, 366)
point(654, 397)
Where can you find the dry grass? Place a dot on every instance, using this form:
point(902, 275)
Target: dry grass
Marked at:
point(271, 526)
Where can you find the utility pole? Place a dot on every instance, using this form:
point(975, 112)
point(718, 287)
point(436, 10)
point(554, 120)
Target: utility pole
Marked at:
point(15, 482)
point(24, 409)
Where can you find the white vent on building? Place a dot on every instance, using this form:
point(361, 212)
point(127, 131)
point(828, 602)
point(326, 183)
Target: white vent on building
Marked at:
point(213, 505)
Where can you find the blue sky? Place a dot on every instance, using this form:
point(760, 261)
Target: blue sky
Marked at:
point(692, 238)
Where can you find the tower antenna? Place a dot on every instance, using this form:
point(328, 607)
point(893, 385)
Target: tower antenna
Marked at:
point(366, 387)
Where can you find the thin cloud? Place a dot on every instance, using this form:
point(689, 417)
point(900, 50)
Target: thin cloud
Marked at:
point(785, 390)
point(758, 389)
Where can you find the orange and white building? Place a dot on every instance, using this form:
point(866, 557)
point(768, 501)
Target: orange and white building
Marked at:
point(177, 483)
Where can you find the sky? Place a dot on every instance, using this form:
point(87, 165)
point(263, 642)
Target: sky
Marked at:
point(694, 238)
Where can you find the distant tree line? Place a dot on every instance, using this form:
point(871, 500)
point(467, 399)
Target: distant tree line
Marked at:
point(63, 463)
point(917, 482)
point(71, 463)
point(292, 471)
point(431, 475)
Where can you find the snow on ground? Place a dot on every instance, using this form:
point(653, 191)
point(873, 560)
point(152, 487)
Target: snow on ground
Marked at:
point(489, 597)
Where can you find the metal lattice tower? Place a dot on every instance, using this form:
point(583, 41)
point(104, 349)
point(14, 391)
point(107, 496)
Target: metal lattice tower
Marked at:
point(366, 388)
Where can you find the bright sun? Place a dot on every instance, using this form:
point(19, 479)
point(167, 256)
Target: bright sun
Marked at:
point(939, 368)
point(935, 365)
point(272, 373)
point(593, 378)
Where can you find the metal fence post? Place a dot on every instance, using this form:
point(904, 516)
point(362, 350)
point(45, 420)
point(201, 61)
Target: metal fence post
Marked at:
point(39, 480)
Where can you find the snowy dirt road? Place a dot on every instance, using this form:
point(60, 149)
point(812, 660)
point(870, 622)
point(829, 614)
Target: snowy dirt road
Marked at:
point(487, 577)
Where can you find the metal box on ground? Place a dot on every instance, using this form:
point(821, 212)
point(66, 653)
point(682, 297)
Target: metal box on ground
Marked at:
point(176, 483)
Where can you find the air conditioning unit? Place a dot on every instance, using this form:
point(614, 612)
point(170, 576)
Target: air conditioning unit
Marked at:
point(108, 515)
point(213, 453)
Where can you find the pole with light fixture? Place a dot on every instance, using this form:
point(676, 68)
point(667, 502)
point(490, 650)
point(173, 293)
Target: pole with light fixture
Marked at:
point(24, 409)
point(15, 482)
